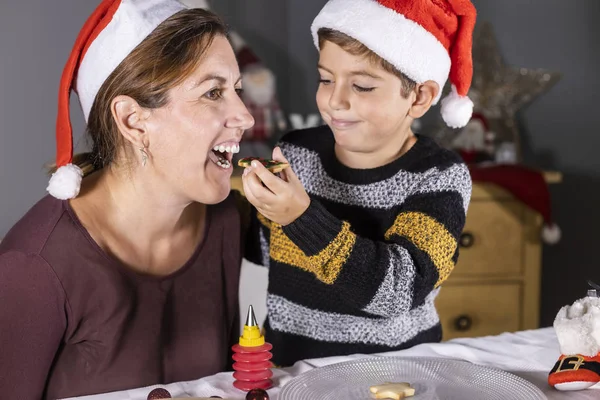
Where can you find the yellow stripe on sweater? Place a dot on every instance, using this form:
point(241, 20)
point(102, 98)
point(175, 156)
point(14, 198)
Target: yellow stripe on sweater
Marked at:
point(326, 265)
point(429, 236)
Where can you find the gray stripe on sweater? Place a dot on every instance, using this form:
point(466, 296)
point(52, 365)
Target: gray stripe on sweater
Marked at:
point(384, 194)
point(289, 317)
point(264, 248)
point(394, 296)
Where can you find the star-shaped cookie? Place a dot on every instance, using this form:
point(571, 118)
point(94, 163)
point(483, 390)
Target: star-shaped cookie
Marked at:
point(395, 391)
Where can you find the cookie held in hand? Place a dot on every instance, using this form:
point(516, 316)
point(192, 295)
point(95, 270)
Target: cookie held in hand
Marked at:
point(272, 165)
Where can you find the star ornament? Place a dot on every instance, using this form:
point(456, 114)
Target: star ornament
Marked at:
point(498, 90)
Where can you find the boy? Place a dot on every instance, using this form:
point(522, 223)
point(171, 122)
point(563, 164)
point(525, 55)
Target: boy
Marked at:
point(362, 229)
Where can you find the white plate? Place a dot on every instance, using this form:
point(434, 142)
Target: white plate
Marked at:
point(432, 378)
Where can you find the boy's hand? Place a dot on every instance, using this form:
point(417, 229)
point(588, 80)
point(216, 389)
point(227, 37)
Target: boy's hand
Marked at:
point(281, 199)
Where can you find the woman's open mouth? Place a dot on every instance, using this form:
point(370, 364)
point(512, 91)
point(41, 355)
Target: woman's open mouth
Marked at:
point(222, 154)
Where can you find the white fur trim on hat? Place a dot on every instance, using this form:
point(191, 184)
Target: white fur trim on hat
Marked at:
point(405, 44)
point(578, 327)
point(133, 21)
point(197, 4)
point(456, 110)
point(65, 182)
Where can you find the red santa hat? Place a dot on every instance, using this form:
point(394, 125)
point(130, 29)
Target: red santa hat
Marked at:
point(528, 186)
point(113, 30)
point(424, 39)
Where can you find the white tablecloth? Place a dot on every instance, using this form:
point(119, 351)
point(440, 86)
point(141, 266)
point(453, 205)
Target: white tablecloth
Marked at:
point(528, 354)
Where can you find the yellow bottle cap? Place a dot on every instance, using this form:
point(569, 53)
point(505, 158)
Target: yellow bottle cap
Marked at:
point(251, 336)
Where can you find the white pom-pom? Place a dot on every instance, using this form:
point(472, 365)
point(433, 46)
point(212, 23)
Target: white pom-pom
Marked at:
point(577, 327)
point(551, 234)
point(456, 110)
point(65, 182)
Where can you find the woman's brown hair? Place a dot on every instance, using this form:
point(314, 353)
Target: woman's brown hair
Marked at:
point(165, 58)
point(356, 48)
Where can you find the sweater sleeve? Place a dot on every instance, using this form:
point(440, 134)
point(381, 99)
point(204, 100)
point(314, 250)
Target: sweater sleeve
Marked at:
point(255, 232)
point(393, 275)
point(33, 321)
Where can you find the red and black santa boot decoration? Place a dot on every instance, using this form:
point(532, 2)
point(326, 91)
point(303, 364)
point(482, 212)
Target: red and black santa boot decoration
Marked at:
point(578, 331)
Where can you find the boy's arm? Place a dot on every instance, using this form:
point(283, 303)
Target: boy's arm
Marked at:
point(255, 232)
point(387, 277)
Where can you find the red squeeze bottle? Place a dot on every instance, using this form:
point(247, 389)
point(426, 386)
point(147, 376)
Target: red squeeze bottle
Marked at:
point(252, 358)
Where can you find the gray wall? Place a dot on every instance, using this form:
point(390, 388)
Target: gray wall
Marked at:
point(560, 130)
point(36, 37)
point(279, 32)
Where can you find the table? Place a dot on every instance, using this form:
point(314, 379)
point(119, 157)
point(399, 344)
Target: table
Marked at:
point(529, 354)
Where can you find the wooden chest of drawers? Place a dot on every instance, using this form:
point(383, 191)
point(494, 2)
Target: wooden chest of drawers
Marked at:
point(495, 286)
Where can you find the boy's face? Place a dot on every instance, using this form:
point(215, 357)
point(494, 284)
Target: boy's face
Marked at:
point(362, 103)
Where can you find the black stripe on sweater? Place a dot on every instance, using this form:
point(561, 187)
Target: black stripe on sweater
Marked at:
point(302, 287)
point(441, 206)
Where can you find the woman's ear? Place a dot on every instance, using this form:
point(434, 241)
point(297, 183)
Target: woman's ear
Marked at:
point(425, 92)
point(130, 118)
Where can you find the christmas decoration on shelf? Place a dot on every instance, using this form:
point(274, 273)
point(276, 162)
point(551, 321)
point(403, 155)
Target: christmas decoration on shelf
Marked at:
point(475, 142)
point(526, 185)
point(499, 91)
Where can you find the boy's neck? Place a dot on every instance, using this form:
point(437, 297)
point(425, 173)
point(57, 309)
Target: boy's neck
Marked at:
point(375, 159)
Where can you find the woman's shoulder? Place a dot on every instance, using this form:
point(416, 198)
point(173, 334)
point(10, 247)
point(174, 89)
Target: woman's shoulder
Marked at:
point(32, 231)
point(22, 261)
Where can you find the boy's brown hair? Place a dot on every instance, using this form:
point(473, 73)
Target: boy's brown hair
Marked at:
point(356, 48)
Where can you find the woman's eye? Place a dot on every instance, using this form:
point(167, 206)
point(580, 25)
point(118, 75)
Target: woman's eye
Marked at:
point(364, 89)
point(239, 91)
point(324, 81)
point(214, 94)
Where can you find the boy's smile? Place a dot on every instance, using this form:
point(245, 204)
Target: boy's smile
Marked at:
point(342, 124)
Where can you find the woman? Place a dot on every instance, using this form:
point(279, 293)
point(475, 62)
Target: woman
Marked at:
point(132, 279)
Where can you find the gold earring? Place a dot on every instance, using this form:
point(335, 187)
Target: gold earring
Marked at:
point(144, 156)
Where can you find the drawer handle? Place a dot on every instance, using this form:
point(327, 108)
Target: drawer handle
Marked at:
point(466, 240)
point(463, 323)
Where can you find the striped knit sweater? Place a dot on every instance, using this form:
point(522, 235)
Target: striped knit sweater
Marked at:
point(358, 272)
